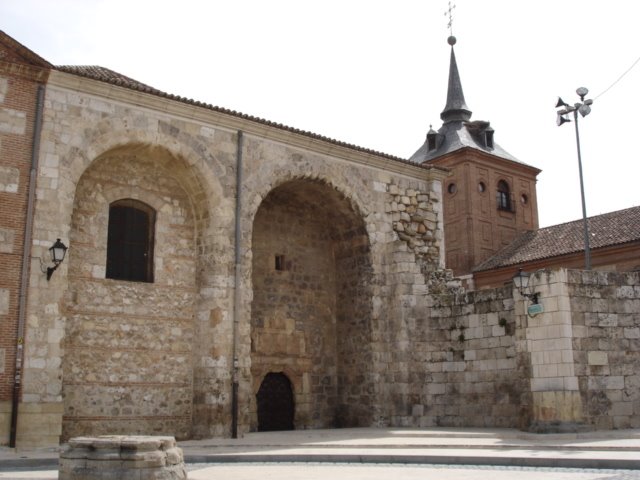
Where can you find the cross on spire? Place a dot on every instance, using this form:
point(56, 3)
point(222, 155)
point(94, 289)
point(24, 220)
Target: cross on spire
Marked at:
point(449, 12)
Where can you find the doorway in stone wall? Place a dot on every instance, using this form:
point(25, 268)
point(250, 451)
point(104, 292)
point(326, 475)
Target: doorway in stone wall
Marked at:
point(275, 403)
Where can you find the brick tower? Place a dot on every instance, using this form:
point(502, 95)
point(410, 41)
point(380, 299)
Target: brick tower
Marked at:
point(490, 196)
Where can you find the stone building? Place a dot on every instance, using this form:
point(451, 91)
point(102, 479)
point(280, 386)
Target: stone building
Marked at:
point(227, 274)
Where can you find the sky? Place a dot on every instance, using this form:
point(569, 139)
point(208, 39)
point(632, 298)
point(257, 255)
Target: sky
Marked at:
point(374, 73)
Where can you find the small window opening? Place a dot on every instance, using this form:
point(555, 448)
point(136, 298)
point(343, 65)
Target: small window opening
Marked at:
point(504, 197)
point(452, 188)
point(130, 241)
point(431, 142)
point(279, 263)
point(489, 138)
point(481, 187)
point(432, 139)
point(524, 199)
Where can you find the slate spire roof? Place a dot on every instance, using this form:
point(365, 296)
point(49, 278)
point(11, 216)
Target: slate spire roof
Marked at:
point(458, 131)
point(456, 109)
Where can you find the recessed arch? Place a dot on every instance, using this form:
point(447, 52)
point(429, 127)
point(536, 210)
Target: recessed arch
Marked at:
point(313, 317)
point(116, 331)
point(189, 155)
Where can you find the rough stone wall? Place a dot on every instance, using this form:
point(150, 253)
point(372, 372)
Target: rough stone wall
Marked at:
point(462, 353)
point(312, 318)
point(293, 314)
point(183, 165)
point(128, 364)
point(606, 328)
point(357, 204)
point(197, 225)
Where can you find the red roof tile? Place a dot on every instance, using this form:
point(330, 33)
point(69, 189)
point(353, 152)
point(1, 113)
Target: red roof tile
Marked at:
point(615, 228)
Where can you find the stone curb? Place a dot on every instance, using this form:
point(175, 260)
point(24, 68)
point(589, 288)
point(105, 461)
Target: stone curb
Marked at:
point(520, 461)
point(516, 461)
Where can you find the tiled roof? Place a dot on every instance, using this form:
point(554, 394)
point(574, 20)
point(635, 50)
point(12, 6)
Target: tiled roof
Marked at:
point(609, 229)
point(109, 76)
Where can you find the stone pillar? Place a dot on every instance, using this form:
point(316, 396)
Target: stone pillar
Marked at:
point(121, 457)
point(556, 400)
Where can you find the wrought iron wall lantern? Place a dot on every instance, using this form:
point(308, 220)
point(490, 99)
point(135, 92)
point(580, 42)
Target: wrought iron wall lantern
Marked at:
point(521, 281)
point(57, 252)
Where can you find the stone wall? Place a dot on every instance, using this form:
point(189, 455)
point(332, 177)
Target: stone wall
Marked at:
point(157, 357)
point(606, 324)
point(462, 352)
point(294, 309)
point(128, 363)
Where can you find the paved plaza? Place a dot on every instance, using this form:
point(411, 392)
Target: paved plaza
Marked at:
point(370, 453)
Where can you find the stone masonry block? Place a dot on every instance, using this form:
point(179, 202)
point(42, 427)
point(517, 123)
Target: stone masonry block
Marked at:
point(122, 457)
point(598, 358)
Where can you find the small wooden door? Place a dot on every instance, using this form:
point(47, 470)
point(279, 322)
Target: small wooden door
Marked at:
point(275, 403)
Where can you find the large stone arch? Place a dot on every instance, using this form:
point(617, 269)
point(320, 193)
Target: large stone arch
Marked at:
point(130, 347)
point(192, 154)
point(311, 312)
point(356, 196)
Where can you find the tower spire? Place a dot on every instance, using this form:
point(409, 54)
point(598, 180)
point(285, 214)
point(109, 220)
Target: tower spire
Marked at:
point(456, 109)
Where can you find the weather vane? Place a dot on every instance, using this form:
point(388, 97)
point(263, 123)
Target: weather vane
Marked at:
point(449, 12)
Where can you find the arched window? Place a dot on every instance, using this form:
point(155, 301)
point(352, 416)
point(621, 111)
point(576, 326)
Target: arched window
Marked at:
point(504, 196)
point(130, 241)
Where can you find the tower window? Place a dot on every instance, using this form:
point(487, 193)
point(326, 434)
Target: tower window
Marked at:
point(432, 139)
point(452, 188)
point(130, 241)
point(489, 138)
point(279, 263)
point(431, 142)
point(504, 197)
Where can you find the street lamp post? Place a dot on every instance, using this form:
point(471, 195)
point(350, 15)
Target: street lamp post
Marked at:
point(563, 117)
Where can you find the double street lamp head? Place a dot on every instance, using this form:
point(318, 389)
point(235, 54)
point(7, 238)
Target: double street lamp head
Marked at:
point(583, 108)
